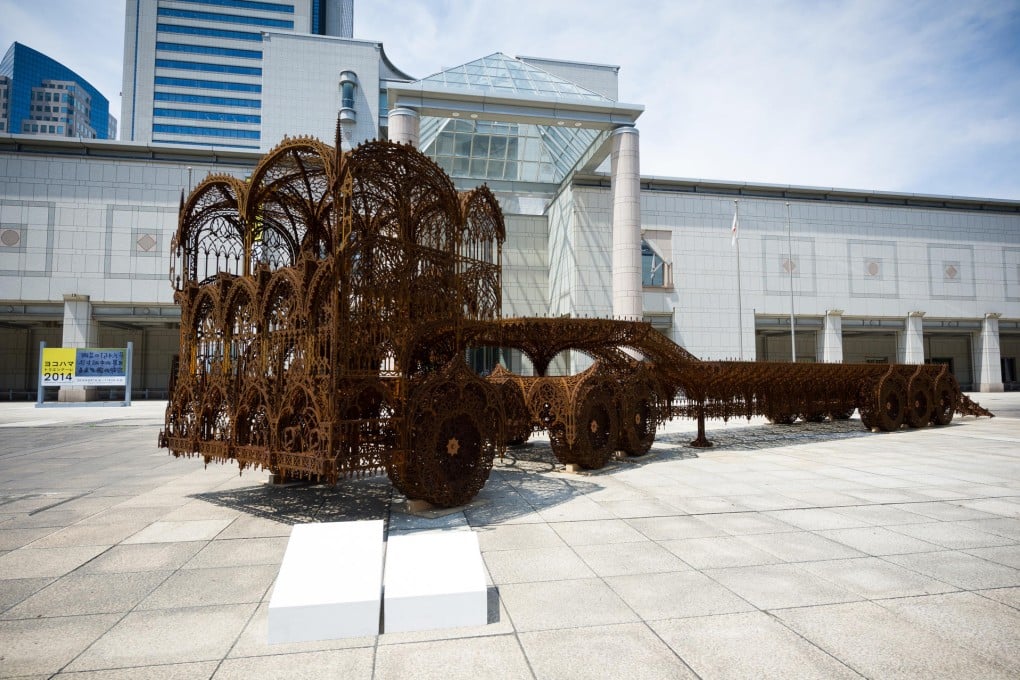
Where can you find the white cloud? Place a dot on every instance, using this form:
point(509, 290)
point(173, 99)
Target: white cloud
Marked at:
point(902, 96)
point(86, 36)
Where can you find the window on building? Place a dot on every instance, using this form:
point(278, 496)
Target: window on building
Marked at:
point(209, 32)
point(206, 115)
point(208, 50)
point(209, 68)
point(205, 131)
point(208, 84)
point(226, 18)
point(656, 271)
point(205, 99)
point(247, 4)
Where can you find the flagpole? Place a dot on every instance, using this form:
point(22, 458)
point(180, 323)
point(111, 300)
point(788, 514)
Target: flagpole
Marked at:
point(789, 246)
point(740, 311)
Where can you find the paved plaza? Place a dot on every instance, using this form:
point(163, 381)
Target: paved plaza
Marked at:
point(804, 551)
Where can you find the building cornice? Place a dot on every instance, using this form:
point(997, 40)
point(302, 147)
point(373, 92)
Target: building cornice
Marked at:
point(114, 149)
point(791, 192)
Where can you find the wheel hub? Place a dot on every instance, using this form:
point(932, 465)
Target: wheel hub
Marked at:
point(453, 446)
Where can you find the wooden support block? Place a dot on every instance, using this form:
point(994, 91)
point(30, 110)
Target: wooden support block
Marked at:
point(416, 505)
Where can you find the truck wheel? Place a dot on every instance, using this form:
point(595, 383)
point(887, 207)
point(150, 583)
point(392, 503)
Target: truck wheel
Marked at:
point(452, 432)
point(638, 422)
point(639, 435)
point(596, 437)
point(518, 418)
point(920, 400)
point(843, 412)
point(456, 463)
point(449, 462)
point(867, 403)
point(598, 432)
point(780, 417)
point(813, 416)
point(946, 394)
point(891, 403)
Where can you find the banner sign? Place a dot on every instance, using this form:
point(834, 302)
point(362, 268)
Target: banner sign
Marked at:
point(83, 366)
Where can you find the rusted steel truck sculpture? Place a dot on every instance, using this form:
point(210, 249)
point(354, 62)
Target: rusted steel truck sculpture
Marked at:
point(327, 304)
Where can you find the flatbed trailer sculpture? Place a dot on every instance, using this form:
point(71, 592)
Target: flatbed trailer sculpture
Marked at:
point(327, 305)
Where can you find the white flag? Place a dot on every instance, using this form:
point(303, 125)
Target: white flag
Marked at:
point(733, 230)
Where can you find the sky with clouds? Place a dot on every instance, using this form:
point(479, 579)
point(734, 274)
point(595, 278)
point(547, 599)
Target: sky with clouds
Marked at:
point(892, 95)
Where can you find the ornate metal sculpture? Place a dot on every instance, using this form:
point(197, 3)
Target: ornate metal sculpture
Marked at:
point(327, 304)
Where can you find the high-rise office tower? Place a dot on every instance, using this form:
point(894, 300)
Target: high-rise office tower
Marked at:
point(193, 68)
point(40, 96)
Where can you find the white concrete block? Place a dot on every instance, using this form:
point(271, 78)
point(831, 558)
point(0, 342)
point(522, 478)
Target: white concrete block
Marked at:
point(329, 584)
point(434, 579)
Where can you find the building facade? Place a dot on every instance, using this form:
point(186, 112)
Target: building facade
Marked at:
point(5, 104)
point(40, 96)
point(728, 270)
point(193, 69)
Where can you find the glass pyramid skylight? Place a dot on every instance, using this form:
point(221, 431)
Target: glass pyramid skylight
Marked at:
point(521, 152)
point(501, 74)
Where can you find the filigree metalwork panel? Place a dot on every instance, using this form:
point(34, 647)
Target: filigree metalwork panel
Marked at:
point(328, 303)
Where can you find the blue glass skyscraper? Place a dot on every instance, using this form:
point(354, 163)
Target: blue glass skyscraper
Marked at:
point(44, 91)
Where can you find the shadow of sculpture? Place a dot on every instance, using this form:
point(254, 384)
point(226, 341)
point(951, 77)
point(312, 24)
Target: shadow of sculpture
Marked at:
point(527, 480)
point(305, 502)
point(742, 437)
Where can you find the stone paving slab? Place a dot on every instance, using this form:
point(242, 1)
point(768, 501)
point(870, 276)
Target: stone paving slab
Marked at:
point(614, 559)
point(967, 619)
point(876, 540)
point(180, 530)
point(29, 562)
point(563, 604)
point(497, 657)
point(340, 663)
point(628, 650)
point(212, 586)
point(676, 594)
point(143, 557)
point(801, 551)
point(46, 645)
point(959, 569)
point(166, 636)
point(875, 642)
point(716, 552)
point(181, 671)
point(748, 645)
point(80, 593)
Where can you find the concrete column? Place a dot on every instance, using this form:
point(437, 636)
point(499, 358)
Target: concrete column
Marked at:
point(989, 359)
point(80, 330)
point(829, 347)
point(912, 340)
point(404, 126)
point(626, 193)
